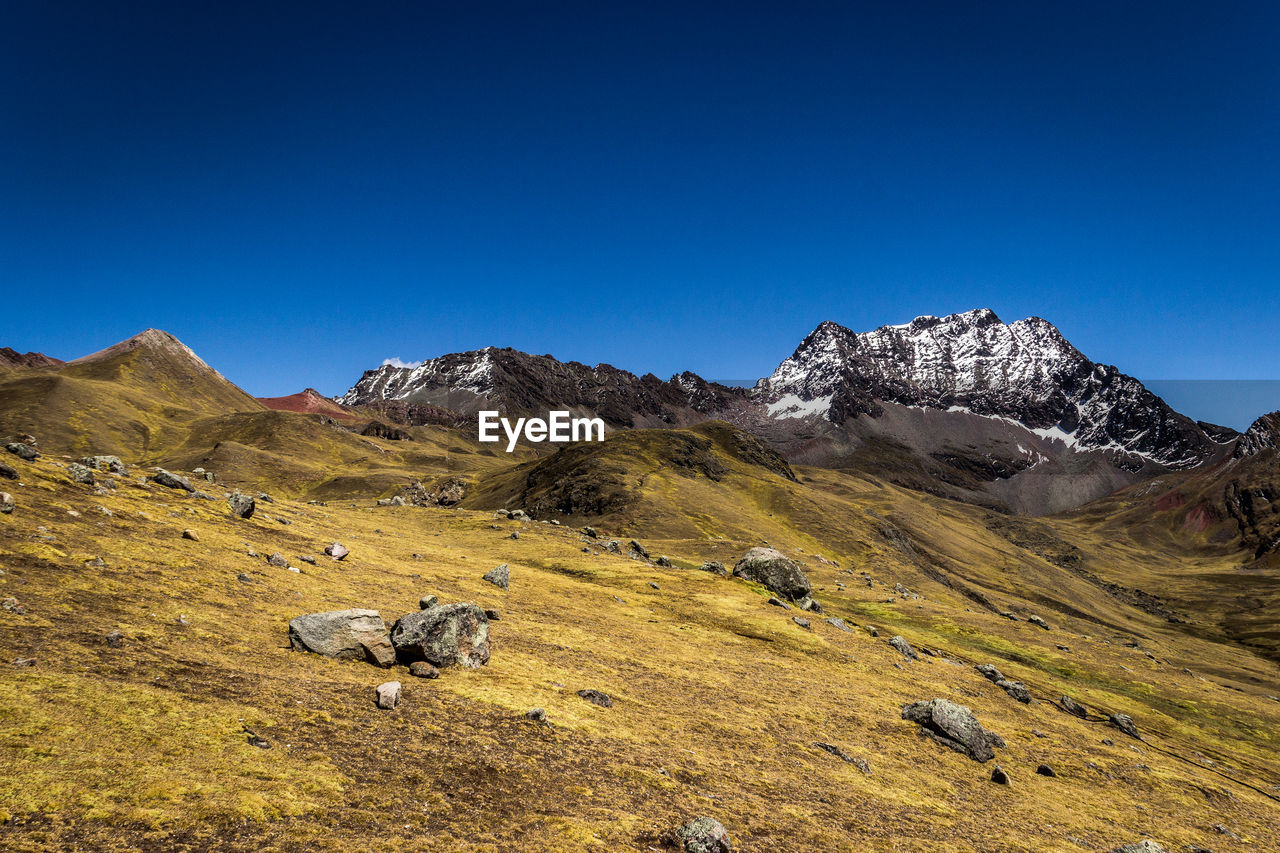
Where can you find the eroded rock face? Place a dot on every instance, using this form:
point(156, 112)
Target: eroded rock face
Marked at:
point(704, 835)
point(448, 635)
point(954, 726)
point(345, 634)
point(777, 573)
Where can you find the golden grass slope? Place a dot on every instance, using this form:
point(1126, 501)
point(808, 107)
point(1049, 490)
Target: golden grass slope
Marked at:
point(719, 697)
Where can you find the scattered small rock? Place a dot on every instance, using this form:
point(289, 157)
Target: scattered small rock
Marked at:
point(715, 567)
point(422, 669)
point(242, 506)
point(115, 639)
point(6, 503)
point(277, 559)
point(309, 560)
point(873, 631)
point(1144, 846)
point(80, 474)
point(835, 750)
point(538, 715)
point(638, 550)
point(590, 533)
point(1038, 622)
point(1124, 723)
point(388, 695)
point(904, 647)
point(337, 550)
point(427, 602)
point(22, 451)
point(24, 662)
point(259, 742)
point(838, 623)
point(778, 602)
point(1072, 707)
point(244, 578)
point(8, 472)
point(653, 585)
point(515, 534)
point(803, 623)
point(499, 576)
point(492, 615)
point(999, 776)
point(1016, 689)
point(597, 697)
point(953, 726)
point(990, 673)
point(704, 835)
point(1046, 770)
point(191, 534)
point(172, 481)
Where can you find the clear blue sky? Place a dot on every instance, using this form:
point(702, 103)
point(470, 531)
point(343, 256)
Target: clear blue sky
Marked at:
point(299, 191)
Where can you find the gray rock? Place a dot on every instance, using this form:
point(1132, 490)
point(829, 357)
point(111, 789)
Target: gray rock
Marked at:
point(344, 634)
point(80, 473)
point(493, 615)
point(638, 549)
point(308, 559)
point(715, 567)
point(388, 695)
point(422, 669)
point(1072, 707)
point(205, 496)
point(337, 550)
point(904, 647)
point(778, 602)
point(1046, 770)
point(519, 515)
point(873, 631)
point(538, 715)
point(802, 622)
point(597, 697)
point(266, 498)
point(1016, 689)
point(704, 835)
point(172, 481)
point(443, 635)
point(664, 562)
point(277, 559)
point(115, 640)
point(613, 546)
point(776, 573)
point(990, 673)
point(1144, 846)
point(953, 726)
point(110, 464)
point(838, 623)
point(1124, 723)
point(590, 533)
point(499, 576)
point(835, 750)
point(427, 602)
point(8, 472)
point(22, 451)
point(242, 506)
point(1038, 622)
point(515, 534)
point(999, 776)
point(653, 585)
point(6, 503)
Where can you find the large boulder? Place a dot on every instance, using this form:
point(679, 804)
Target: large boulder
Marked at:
point(22, 451)
point(172, 481)
point(242, 505)
point(704, 835)
point(104, 463)
point(954, 726)
point(346, 634)
point(777, 573)
point(499, 577)
point(443, 635)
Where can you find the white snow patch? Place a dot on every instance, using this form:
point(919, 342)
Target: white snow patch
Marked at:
point(792, 406)
point(396, 362)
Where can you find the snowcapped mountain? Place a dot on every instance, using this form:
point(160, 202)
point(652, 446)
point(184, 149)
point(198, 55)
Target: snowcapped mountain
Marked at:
point(1024, 372)
point(1263, 434)
point(520, 383)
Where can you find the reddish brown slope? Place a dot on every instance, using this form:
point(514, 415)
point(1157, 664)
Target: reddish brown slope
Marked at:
point(310, 402)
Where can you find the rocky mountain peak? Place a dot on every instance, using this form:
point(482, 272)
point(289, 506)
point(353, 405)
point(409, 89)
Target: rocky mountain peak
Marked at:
point(1262, 435)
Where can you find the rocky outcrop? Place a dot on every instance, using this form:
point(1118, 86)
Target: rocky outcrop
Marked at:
point(110, 464)
point(955, 727)
point(344, 634)
point(776, 573)
point(443, 635)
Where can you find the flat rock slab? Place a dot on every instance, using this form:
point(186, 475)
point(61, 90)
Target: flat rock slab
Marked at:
point(954, 726)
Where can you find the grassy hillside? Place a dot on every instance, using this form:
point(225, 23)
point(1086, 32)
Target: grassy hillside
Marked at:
point(719, 697)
